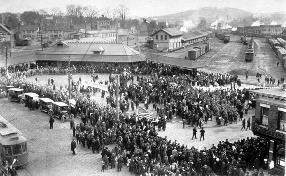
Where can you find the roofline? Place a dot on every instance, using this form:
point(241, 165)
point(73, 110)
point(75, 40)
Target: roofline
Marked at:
point(5, 28)
point(165, 32)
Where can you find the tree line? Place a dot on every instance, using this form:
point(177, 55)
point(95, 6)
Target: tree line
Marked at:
point(75, 15)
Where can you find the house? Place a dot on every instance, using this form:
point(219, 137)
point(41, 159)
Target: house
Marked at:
point(5, 34)
point(29, 32)
point(56, 32)
point(167, 39)
point(103, 23)
point(49, 33)
point(270, 122)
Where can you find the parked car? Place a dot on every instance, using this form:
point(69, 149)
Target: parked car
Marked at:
point(59, 110)
point(45, 104)
point(13, 94)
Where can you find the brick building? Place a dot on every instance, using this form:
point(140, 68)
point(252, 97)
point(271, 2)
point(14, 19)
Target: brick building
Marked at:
point(270, 122)
point(262, 30)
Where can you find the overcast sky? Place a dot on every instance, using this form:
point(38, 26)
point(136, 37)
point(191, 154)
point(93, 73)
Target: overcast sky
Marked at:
point(147, 7)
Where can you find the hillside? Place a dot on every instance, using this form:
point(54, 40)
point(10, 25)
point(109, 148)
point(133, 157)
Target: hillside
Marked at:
point(209, 13)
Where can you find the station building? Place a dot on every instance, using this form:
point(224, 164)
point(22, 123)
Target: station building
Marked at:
point(88, 51)
point(270, 122)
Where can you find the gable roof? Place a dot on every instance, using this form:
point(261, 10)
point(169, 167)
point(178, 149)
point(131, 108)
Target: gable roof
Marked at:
point(173, 32)
point(5, 29)
point(60, 42)
point(193, 35)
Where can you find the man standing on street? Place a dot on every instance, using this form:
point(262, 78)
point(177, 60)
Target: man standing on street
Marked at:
point(243, 124)
point(248, 124)
point(202, 134)
point(73, 146)
point(51, 122)
point(194, 133)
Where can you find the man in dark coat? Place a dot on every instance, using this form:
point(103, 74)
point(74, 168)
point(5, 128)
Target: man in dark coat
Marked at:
point(194, 133)
point(202, 134)
point(248, 124)
point(51, 122)
point(73, 146)
point(243, 124)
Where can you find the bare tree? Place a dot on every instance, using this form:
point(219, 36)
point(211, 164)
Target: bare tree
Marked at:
point(122, 11)
point(90, 13)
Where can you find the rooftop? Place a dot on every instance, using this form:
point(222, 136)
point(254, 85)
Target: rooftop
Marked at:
point(88, 51)
point(4, 28)
point(171, 31)
point(193, 34)
point(274, 92)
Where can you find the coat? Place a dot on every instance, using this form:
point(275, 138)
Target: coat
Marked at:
point(73, 145)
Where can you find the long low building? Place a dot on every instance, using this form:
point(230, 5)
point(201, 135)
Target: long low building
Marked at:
point(89, 52)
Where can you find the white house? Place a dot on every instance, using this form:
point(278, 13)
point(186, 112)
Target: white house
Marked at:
point(167, 39)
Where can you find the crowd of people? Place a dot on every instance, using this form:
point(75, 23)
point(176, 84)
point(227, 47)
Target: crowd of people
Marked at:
point(172, 91)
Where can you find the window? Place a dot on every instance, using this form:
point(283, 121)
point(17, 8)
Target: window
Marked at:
point(156, 37)
point(166, 37)
point(162, 37)
point(8, 150)
point(17, 149)
point(281, 120)
point(24, 147)
point(264, 115)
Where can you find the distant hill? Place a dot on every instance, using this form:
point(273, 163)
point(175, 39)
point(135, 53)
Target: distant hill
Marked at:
point(211, 14)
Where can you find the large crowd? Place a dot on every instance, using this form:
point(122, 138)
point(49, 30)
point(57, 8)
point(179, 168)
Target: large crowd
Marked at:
point(171, 91)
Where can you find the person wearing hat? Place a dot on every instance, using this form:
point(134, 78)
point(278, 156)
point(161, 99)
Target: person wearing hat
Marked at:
point(73, 146)
point(194, 133)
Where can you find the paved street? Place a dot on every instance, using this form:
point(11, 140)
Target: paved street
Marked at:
point(49, 150)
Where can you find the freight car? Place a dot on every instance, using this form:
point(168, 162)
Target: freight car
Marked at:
point(249, 54)
point(224, 37)
point(198, 51)
point(243, 39)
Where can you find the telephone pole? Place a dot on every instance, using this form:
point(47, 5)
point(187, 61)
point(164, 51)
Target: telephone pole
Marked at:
point(6, 60)
point(69, 86)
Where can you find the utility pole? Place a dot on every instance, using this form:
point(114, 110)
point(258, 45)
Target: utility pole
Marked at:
point(41, 35)
point(117, 96)
point(69, 86)
point(6, 64)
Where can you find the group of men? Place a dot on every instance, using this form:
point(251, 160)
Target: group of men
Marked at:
point(138, 145)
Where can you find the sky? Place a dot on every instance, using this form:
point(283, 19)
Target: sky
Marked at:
point(145, 8)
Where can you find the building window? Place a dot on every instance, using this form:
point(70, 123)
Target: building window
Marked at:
point(166, 37)
point(17, 149)
point(8, 150)
point(264, 116)
point(281, 121)
point(156, 37)
point(162, 37)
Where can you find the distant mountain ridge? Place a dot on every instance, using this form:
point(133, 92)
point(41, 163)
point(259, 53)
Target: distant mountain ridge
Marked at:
point(209, 13)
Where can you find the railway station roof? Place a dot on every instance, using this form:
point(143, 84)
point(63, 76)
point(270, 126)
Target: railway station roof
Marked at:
point(89, 51)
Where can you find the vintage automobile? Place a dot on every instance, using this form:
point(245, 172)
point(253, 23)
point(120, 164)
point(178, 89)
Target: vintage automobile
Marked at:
point(31, 100)
point(7, 88)
point(45, 104)
point(13, 94)
point(59, 110)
